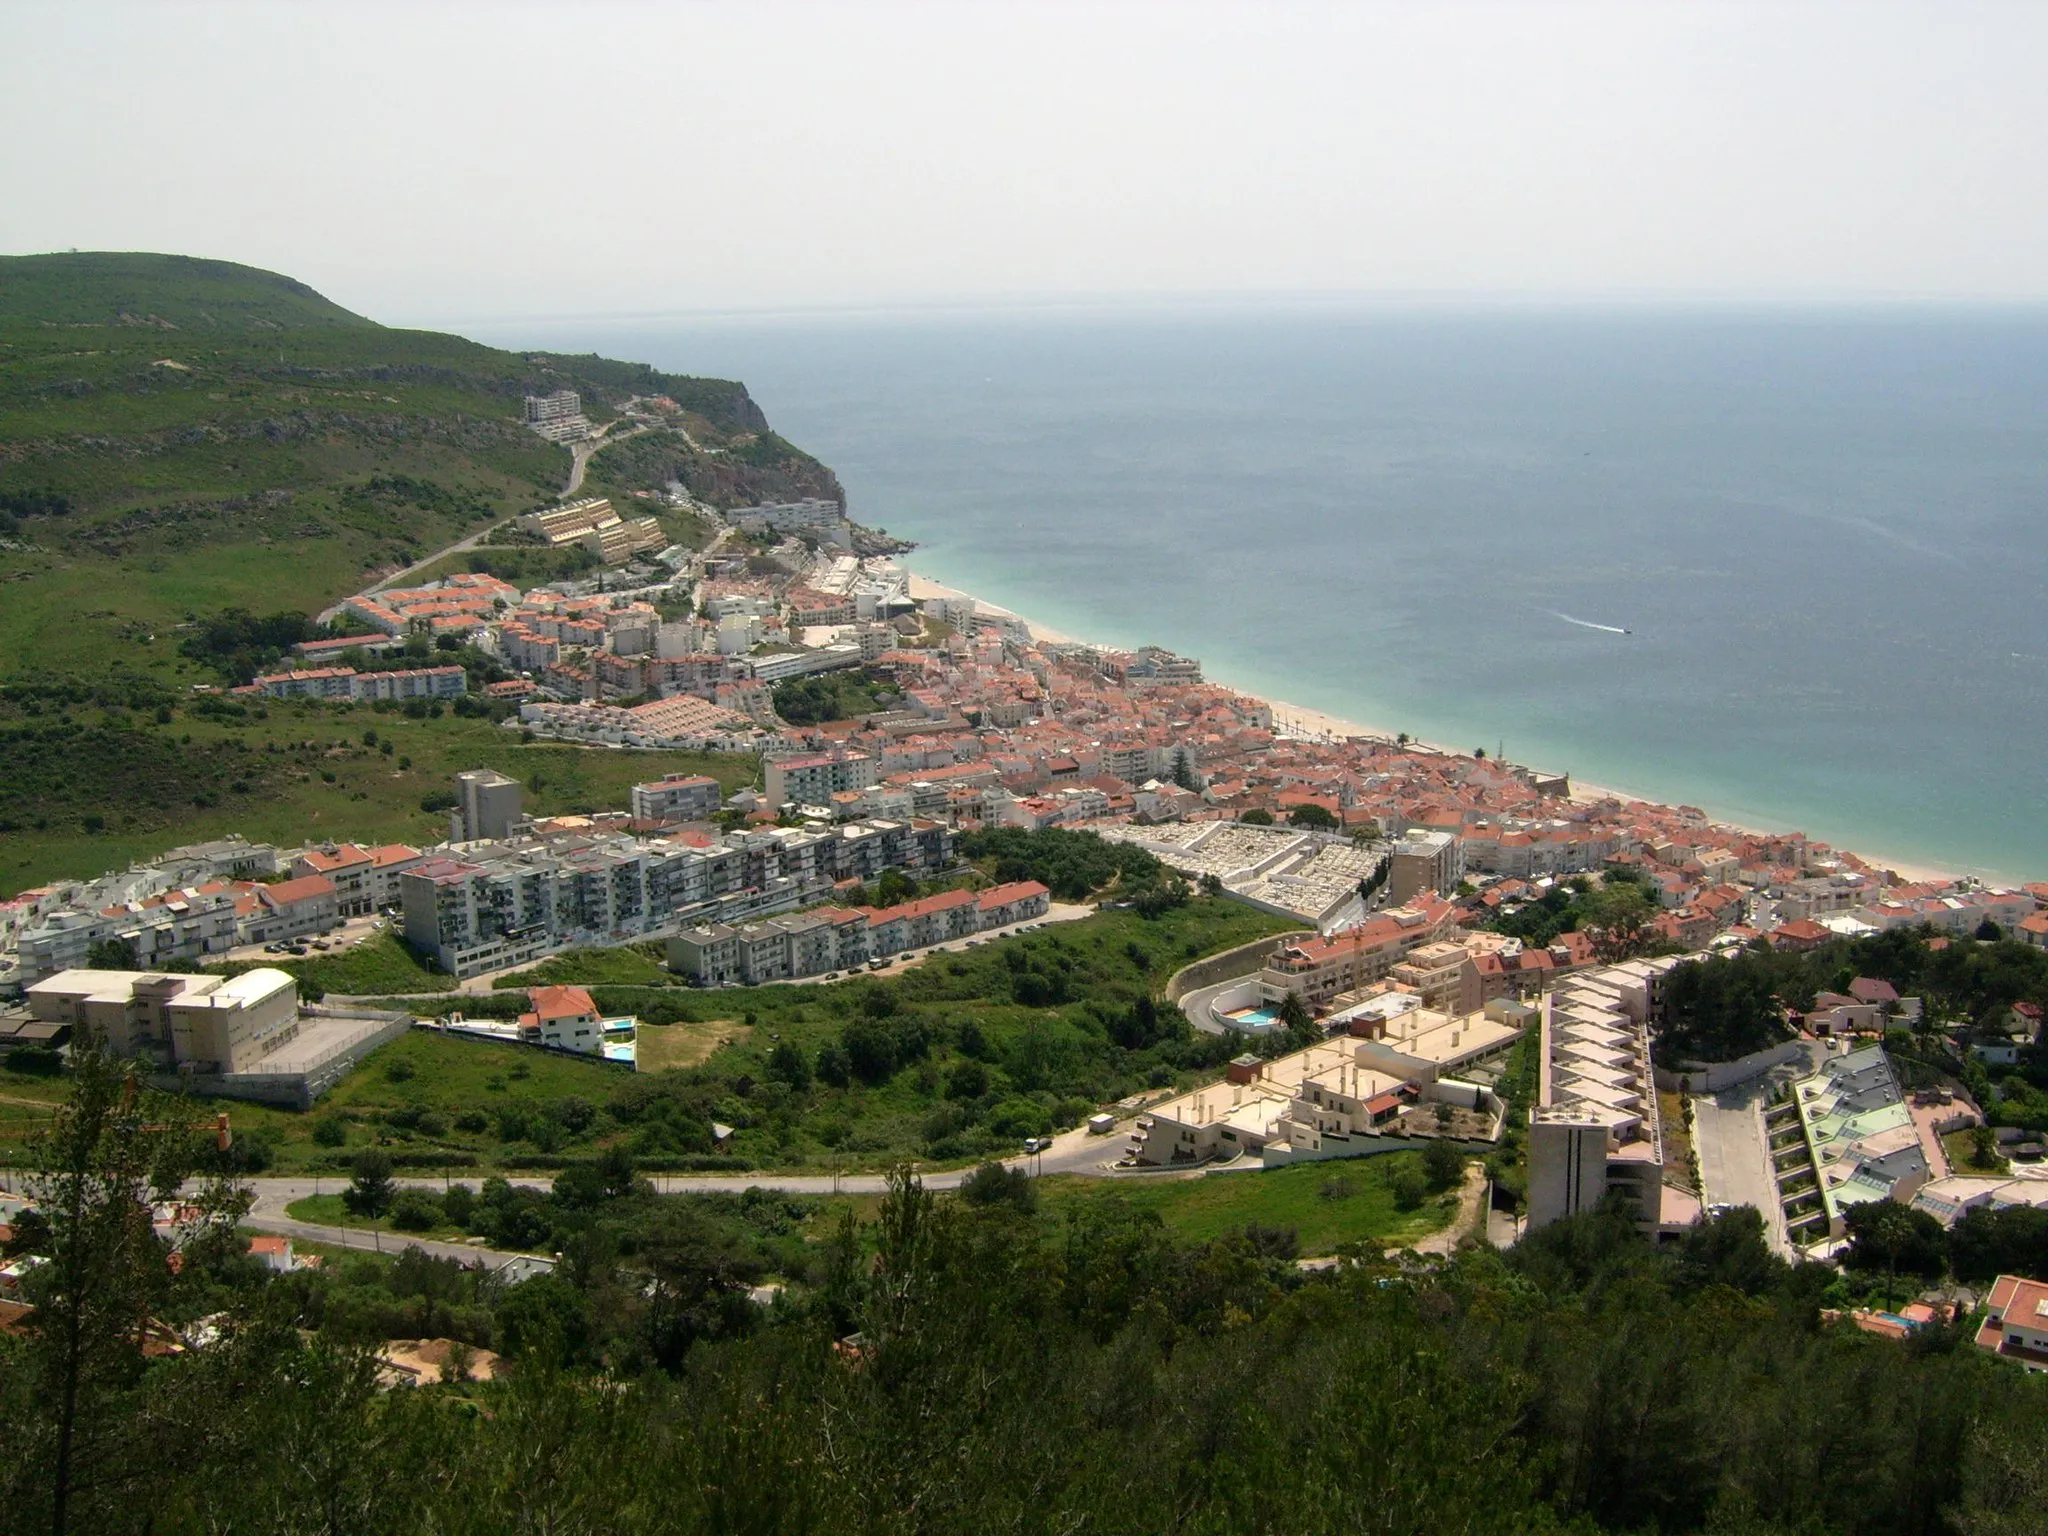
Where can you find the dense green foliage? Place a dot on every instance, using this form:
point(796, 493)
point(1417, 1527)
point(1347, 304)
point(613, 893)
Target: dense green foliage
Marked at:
point(1732, 1004)
point(1616, 912)
point(1072, 865)
point(970, 1364)
point(1721, 1009)
point(831, 696)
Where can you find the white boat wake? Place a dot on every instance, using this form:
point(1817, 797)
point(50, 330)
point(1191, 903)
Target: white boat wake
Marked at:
point(1605, 629)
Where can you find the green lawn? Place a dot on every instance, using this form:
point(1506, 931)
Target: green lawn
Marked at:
point(379, 966)
point(1327, 1204)
point(1961, 1147)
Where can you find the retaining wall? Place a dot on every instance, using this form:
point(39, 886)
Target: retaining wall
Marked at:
point(293, 1090)
point(1694, 1077)
point(1244, 960)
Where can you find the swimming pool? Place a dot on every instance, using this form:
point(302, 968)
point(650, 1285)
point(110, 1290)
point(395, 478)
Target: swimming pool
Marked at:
point(1254, 1017)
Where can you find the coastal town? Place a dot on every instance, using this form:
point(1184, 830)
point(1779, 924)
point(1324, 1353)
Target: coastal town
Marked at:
point(1407, 870)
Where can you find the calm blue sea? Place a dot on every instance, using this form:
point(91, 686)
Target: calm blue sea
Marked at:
point(1823, 530)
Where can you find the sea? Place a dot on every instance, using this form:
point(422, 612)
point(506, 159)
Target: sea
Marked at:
point(1789, 565)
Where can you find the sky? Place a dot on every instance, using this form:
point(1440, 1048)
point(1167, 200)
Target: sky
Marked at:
point(435, 162)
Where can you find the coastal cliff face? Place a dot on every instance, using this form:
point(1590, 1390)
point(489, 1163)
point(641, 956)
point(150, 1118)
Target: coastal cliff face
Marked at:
point(179, 436)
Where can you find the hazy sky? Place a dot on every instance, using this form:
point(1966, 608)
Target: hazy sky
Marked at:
point(439, 162)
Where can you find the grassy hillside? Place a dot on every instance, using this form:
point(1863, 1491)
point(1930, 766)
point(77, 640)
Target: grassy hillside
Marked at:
point(86, 787)
point(168, 292)
point(180, 436)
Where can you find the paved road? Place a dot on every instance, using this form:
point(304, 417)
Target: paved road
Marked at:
point(1735, 1155)
point(580, 454)
point(1076, 1152)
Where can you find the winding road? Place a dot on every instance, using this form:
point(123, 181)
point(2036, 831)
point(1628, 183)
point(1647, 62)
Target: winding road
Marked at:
point(1075, 1152)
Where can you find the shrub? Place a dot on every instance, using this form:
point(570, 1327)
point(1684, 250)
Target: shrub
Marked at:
point(786, 1064)
point(459, 1204)
point(414, 1210)
point(834, 1068)
point(1442, 1164)
point(992, 1184)
point(1411, 1187)
point(35, 1061)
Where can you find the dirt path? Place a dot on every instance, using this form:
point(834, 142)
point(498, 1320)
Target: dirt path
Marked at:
point(1470, 1214)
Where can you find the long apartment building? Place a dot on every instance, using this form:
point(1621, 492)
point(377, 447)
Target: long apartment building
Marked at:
point(1856, 1142)
point(597, 527)
point(838, 938)
point(1317, 969)
point(505, 903)
point(347, 686)
point(1594, 1130)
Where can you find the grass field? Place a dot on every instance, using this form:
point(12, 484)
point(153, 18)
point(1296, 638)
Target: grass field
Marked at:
point(410, 1098)
point(328, 1211)
point(1961, 1147)
point(666, 1047)
point(1327, 1204)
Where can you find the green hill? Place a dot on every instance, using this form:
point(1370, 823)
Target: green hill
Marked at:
point(165, 292)
point(180, 436)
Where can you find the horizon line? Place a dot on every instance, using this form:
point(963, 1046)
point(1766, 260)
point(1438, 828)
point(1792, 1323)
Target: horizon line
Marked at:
point(1440, 300)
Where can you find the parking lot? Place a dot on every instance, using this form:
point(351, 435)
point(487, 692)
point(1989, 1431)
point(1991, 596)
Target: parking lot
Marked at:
point(353, 931)
point(1735, 1157)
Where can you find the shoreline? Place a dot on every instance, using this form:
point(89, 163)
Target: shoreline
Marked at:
point(1312, 724)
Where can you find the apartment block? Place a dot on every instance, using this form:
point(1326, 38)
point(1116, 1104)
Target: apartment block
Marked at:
point(1317, 969)
point(838, 939)
point(209, 1023)
point(558, 416)
point(814, 778)
point(1594, 1130)
point(1421, 862)
point(503, 903)
point(678, 797)
point(488, 803)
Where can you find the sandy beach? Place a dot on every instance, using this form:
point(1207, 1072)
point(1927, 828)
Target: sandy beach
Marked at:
point(1299, 721)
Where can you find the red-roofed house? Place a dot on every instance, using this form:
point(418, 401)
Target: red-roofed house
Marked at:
point(290, 908)
point(564, 1017)
point(2016, 1321)
point(274, 1253)
point(1802, 935)
point(351, 869)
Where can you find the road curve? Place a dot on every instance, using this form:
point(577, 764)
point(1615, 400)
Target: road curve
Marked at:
point(1076, 1152)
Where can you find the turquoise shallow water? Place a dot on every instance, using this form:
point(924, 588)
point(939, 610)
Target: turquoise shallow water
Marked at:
point(1823, 530)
